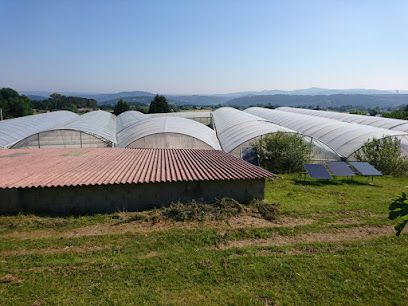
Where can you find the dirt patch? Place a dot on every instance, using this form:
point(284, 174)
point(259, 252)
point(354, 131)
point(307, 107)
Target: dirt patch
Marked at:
point(346, 221)
point(69, 268)
point(249, 221)
point(352, 213)
point(9, 279)
point(347, 234)
point(115, 227)
point(152, 254)
point(83, 249)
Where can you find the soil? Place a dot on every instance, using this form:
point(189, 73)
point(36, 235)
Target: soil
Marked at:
point(347, 234)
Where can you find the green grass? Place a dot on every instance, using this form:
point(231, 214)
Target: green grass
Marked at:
point(186, 262)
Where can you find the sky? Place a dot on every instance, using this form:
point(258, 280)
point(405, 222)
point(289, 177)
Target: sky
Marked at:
point(202, 47)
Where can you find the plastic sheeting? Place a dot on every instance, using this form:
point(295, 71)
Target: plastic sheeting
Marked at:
point(14, 130)
point(344, 138)
point(157, 129)
point(385, 123)
point(128, 118)
point(203, 117)
point(99, 128)
point(236, 129)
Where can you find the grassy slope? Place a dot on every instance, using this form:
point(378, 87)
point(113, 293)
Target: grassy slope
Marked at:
point(186, 263)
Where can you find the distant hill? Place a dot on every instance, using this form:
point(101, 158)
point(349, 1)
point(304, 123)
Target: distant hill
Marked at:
point(197, 99)
point(322, 100)
point(308, 96)
point(178, 100)
point(142, 100)
point(36, 98)
point(104, 98)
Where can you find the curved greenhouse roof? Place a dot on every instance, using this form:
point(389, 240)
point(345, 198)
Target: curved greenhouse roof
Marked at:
point(385, 123)
point(14, 130)
point(128, 118)
point(99, 127)
point(168, 132)
point(235, 128)
point(344, 138)
point(199, 116)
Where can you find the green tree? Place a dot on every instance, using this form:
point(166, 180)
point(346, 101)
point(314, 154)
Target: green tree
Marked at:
point(13, 104)
point(358, 112)
point(283, 153)
point(159, 105)
point(397, 114)
point(385, 154)
point(121, 107)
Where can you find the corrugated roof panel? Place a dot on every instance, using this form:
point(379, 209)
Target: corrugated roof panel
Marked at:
point(105, 166)
point(14, 130)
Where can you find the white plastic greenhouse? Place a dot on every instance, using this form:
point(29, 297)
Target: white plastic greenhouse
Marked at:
point(14, 130)
point(128, 118)
point(94, 129)
point(385, 123)
point(203, 117)
point(166, 132)
point(236, 129)
point(342, 137)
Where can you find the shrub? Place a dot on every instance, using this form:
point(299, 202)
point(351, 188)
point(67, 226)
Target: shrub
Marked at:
point(283, 153)
point(399, 209)
point(384, 154)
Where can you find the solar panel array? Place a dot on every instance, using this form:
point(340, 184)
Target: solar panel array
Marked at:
point(317, 171)
point(340, 169)
point(365, 169)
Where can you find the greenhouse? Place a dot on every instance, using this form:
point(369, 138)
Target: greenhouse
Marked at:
point(128, 118)
point(342, 137)
point(166, 132)
point(14, 130)
point(385, 123)
point(236, 129)
point(203, 117)
point(91, 130)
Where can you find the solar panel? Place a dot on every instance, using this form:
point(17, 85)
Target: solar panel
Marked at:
point(317, 171)
point(365, 169)
point(250, 155)
point(340, 169)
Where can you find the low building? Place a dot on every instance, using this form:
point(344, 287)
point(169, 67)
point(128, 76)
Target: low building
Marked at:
point(100, 180)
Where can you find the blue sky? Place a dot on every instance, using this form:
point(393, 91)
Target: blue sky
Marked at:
point(198, 47)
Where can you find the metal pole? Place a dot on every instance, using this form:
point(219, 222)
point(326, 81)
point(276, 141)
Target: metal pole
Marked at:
point(1, 114)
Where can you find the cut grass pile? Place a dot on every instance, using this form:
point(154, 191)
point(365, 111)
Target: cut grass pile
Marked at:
point(330, 243)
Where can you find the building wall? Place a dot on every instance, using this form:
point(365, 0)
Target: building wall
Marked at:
point(124, 197)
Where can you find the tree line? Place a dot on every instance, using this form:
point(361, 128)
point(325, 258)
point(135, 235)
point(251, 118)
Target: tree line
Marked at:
point(13, 105)
point(159, 104)
point(60, 102)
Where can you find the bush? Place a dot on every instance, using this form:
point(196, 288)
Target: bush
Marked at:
point(399, 209)
point(384, 154)
point(283, 153)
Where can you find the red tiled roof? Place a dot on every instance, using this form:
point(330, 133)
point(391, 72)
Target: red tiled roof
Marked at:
point(105, 166)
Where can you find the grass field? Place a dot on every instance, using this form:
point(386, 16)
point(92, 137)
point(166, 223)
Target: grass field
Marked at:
point(331, 243)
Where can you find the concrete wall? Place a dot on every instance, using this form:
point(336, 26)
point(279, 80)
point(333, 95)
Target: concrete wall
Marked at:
point(124, 197)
